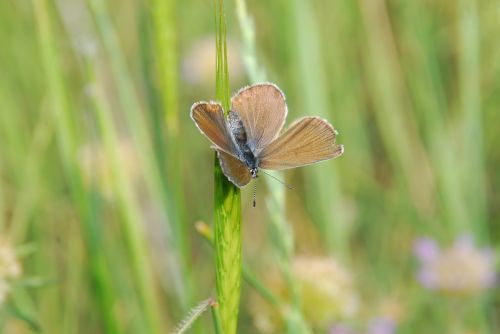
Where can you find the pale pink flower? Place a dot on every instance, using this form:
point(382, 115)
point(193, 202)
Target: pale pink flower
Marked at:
point(462, 269)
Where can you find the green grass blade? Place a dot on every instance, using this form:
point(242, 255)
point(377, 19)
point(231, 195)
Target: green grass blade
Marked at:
point(217, 319)
point(165, 49)
point(324, 194)
point(392, 109)
point(67, 139)
point(470, 105)
point(141, 137)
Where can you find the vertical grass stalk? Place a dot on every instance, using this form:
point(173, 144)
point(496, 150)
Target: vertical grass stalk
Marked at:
point(280, 229)
point(470, 102)
point(67, 140)
point(136, 121)
point(427, 84)
point(227, 210)
point(127, 201)
point(392, 109)
point(311, 81)
point(165, 47)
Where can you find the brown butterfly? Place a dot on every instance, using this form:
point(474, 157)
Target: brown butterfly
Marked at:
point(248, 139)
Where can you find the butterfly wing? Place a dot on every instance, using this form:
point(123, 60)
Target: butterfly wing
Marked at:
point(210, 120)
point(263, 110)
point(235, 170)
point(308, 140)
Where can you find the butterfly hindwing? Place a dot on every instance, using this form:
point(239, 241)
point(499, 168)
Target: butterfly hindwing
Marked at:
point(308, 140)
point(263, 110)
point(234, 169)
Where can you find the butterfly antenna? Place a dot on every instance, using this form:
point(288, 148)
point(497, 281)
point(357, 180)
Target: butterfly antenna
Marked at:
point(254, 193)
point(283, 183)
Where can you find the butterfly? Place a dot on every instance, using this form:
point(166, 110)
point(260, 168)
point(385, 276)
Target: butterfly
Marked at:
point(249, 138)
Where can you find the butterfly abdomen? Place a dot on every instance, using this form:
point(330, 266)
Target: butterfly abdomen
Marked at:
point(237, 128)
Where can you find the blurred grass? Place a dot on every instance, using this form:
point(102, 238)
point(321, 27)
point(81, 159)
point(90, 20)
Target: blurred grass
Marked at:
point(412, 88)
point(67, 139)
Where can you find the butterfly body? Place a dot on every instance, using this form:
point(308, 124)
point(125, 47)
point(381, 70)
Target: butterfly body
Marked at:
point(249, 137)
point(244, 147)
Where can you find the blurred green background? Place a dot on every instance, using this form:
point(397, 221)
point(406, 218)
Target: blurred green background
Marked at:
point(103, 175)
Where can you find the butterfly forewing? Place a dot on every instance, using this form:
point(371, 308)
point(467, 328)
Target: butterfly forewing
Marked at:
point(210, 119)
point(235, 170)
point(308, 140)
point(263, 110)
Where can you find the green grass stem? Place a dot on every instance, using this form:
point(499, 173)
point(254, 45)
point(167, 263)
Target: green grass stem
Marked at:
point(227, 214)
point(166, 55)
point(470, 110)
point(141, 138)
point(427, 85)
point(280, 229)
point(219, 329)
point(247, 274)
point(324, 194)
point(66, 135)
point(391, 104)
point(128, 207)
point(30, 188)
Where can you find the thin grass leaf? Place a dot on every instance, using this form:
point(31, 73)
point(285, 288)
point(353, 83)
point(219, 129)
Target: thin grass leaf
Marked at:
point(324, 187)
point(127, 204)
point(163, 14)
point(36, 282)
point(470, 104)
point(33, 323)
point(140, 134)
point(392, 110)
point(67, 137)
point(217, 319)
